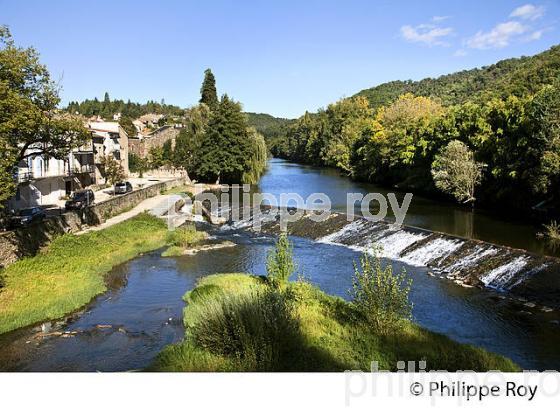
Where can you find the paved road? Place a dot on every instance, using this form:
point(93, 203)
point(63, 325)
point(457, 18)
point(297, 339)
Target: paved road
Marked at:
point(157, 205)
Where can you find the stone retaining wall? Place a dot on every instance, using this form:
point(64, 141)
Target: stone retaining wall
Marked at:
point(29, 240)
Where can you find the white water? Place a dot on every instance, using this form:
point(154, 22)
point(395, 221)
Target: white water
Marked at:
point(349, 230)
point(499, 277)
point(438, 248)
point(394, 243)
point(471, 259)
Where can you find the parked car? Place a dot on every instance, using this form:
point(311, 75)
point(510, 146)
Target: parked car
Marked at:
point(27, 216)
point(80, 199)
point(123, 187)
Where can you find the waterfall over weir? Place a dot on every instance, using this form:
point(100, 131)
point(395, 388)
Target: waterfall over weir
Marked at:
point(468, 262)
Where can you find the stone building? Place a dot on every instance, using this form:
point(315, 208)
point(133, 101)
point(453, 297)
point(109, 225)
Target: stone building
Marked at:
point(142, 144)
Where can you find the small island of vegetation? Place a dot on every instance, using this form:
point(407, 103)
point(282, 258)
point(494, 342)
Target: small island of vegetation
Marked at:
point(240, 322)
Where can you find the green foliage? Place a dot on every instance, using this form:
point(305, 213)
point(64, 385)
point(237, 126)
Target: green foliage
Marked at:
point(380, 295)
point(280, 262)
point(258, 156)
point(107, 108)
point(270, 127)
point(552, 231)
point(69, 273)
point(543, 149)
point(241, 324)
point(227, 150)
point(506, 114)
point(208, 93)
point(190, 139)
point(8, 157)
point(160, 156)
point(456, 172)
point(516, 76)
point(184, 237)
point(28, 112)
point(128, 126)
point(112, 170)
point(217, 142)
point(137, 164)
point(255, 328)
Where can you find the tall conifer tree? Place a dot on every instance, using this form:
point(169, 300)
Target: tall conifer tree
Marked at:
point(208, 93)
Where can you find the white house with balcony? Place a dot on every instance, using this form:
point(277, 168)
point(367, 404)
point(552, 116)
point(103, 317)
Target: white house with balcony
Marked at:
point(44, 181)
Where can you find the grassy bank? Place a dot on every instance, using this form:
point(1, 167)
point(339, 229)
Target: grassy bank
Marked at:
point(182, 239)
point(70, 272)
point(238, 322)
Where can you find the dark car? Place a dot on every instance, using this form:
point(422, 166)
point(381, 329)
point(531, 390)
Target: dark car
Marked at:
point(27, 216)
point(80, 199)
point(123, 187)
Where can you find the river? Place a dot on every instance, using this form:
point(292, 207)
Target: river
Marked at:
point(126, 327)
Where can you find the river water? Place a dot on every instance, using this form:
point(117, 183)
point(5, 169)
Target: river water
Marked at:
point(126, 327)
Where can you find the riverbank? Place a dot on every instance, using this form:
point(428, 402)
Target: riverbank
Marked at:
point(318, 332)
point(70, 271)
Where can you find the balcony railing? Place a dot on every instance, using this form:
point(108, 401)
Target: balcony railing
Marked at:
point(23, 176)
point(83, 169)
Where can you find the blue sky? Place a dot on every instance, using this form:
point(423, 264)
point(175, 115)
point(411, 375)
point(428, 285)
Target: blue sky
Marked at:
point(281, 58)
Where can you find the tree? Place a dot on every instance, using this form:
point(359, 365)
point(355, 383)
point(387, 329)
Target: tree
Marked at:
point(380, 295)
point(347, 119)
point(128, 126)
point(167, 152)
point(137, 164)
point(155, 156)
point(225, 152)
point(7, 181)
point(113, 171)
point(456, 172)
point(30, 124)
point(280, 262)
point(543, 148)
point(208, 93)
point(190, 138)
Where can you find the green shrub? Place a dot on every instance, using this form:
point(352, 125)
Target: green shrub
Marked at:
point(280, 263)
point(185, 236)
point(552, 231)
point(232, 314)
point(380, 295)
point(256, 328)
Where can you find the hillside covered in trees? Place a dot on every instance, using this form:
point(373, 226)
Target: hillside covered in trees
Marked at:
point(267, 125)
point(490, 134)
point(514, 76)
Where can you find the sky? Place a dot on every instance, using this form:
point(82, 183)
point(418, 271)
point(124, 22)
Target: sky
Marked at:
point(281, 58)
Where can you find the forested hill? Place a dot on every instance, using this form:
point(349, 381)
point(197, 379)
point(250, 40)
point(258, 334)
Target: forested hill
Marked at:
point(106, 108)
point(268, 125)
point(498, 124)
point(514, 76)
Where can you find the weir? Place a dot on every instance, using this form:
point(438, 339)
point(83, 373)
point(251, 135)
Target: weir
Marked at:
point(468, 262)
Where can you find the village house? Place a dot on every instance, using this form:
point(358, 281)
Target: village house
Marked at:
point(48, 181)
point(109, 139)
point(150, 120)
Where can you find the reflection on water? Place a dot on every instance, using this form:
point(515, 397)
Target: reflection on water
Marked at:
point(283, 176)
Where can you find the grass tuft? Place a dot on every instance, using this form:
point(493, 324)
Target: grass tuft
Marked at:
point(552, 231)
point(185, 236)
